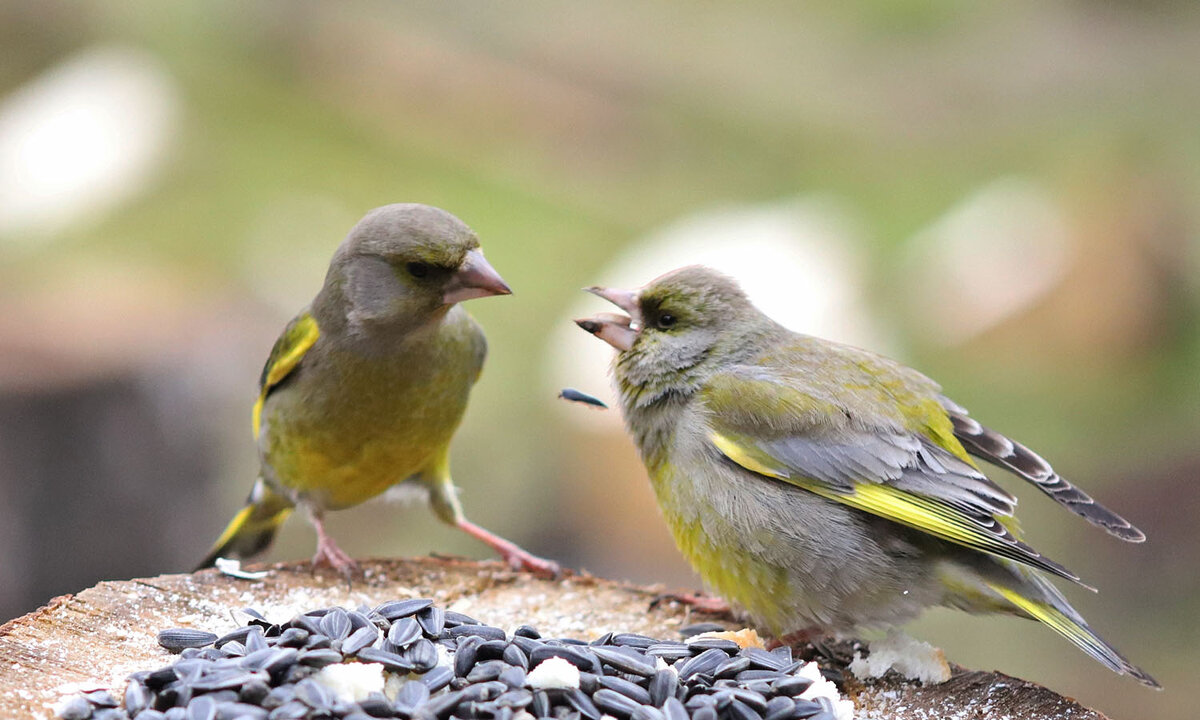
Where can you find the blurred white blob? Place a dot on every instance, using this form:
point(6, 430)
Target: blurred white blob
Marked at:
point(801, 263)
point(995, 254)
point(82, 138)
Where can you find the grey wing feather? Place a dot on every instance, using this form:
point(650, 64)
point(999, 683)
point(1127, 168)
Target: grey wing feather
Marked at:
point(913, 464)
point(999, 450)
point(905, 461)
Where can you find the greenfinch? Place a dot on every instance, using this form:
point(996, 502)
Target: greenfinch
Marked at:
point(824, 488)
point(366, 386)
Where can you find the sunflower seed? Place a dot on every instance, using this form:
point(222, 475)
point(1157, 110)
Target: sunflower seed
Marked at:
point(292, 637)
point(291, 710)
point(791, 686)
point(319, 658)
point(202, 708)
point(540, 706)
point(177, 639)
point(578, 658)
point(432, 620)
point(457, 618)
point(240, 711)
point(626, 659)
point(662, 687)
point(739, 710)
point(732, 666)
point(630, 690)
point(705, 643)
point(633, 640)
point(614, 703)
point(359, 639)
point(705, 663)
point(403, 632)
point(465, 655)
point(389, 660)
point(487, 632)
point(437, 678)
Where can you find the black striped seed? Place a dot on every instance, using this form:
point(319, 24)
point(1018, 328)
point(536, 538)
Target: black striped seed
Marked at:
point(630, 690)
point(703, 664)
point(402, 608)
point(404, 632)
point(662, 687)
point(614, 703)
point(178, 639)
point(487, 632)
point(626, 659)
point(432, 620)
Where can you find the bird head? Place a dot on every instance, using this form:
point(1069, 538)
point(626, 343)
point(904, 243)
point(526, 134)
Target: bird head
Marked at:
point(674, 327)
point(407, 263)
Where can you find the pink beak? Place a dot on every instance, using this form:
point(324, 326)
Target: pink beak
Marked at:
point(475, 278)
point(616, 330)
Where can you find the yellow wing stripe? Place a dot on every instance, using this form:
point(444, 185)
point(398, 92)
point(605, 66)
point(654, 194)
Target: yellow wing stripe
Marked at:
point(285, 356)
point(1057, 621)
point(876, 499)
point(899, 506)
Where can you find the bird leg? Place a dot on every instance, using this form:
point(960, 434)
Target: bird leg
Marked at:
point(699, 602)
point(516, 558)
point(328, 553)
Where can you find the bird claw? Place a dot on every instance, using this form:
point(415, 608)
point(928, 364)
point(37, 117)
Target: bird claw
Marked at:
point(521, 560)
point(333, 556)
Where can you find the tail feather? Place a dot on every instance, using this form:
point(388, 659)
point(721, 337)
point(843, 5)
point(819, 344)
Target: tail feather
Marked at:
point(985, 443)
point(1053, 611)
point(254, 526)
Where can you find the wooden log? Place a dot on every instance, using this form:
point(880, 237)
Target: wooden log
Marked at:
point(97, 637)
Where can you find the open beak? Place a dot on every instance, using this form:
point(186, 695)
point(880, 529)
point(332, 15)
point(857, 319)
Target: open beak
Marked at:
point(616, 330)
point(624, 299)
point(475, 278)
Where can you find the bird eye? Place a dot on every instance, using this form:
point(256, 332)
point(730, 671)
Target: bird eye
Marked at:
point(417, 269)
point(665, 321)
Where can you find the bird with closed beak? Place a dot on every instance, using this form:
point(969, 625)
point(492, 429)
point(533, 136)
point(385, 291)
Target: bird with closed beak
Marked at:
point(823, 488)
point(365, 387)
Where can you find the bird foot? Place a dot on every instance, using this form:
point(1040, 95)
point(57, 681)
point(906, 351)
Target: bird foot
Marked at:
point(333, 556)
point(510, 552)
point(699, 602)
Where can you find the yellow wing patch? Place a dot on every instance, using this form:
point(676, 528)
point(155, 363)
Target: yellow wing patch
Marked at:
point(300, 335)
point(927, 515)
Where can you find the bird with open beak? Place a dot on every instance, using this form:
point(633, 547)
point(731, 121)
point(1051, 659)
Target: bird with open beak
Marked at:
point(364, 389)
point(824, 488)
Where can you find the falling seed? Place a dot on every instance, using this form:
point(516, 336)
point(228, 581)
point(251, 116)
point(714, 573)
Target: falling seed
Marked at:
point(581, 397)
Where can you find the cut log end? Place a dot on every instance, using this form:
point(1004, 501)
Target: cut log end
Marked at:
point(95, 638)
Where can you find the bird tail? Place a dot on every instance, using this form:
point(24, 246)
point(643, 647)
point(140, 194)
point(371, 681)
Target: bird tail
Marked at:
point(254, 526)
point(1041, 601)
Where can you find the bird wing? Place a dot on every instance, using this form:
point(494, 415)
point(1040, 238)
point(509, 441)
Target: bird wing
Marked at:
point(995, 448)
point(881, 468)
point(299, 335)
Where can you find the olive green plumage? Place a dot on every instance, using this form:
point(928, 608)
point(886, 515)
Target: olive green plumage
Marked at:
point(365, 387)
point(823, 487)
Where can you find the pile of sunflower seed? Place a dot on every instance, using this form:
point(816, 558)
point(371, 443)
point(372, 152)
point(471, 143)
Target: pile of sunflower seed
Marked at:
point(447, 665)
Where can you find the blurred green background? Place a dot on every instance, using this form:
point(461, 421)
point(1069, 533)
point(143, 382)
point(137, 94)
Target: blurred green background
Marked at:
point(1005, 195)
